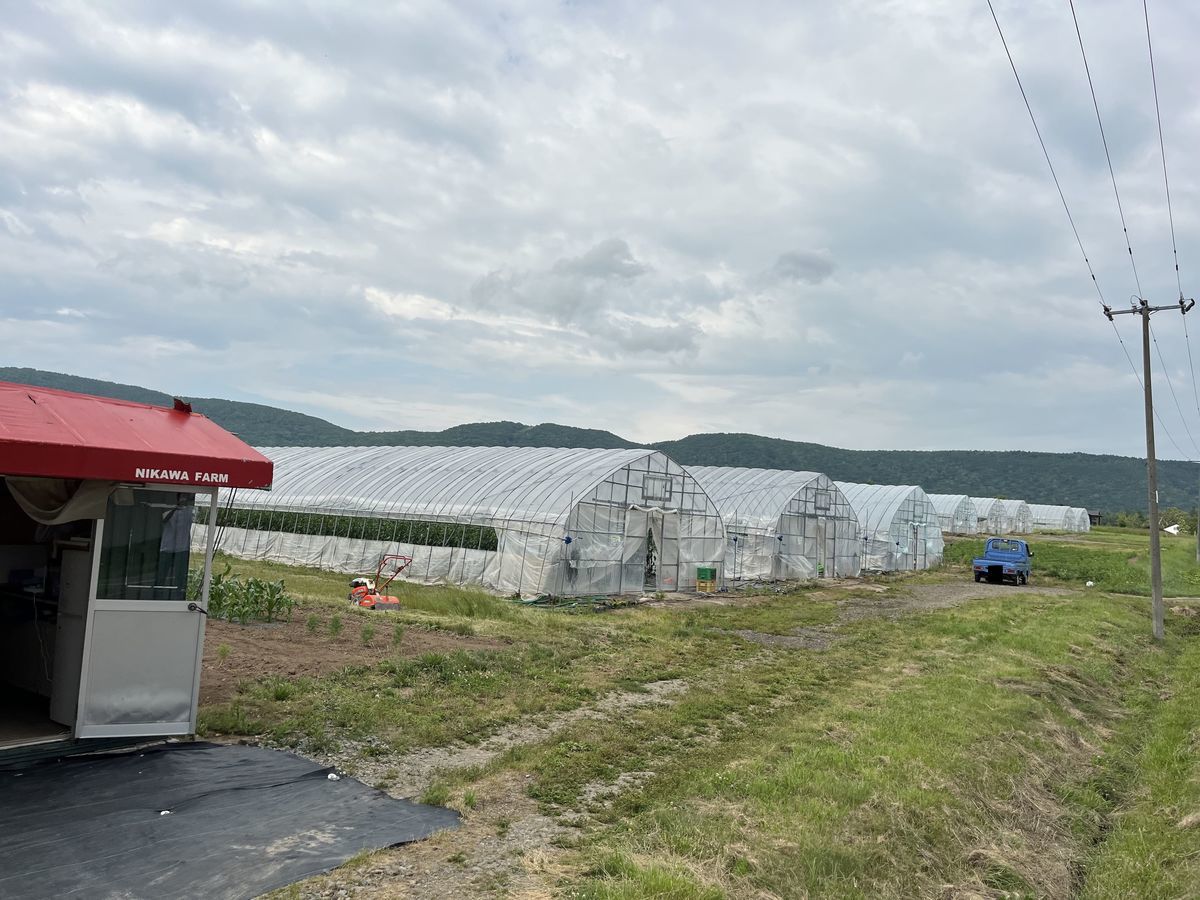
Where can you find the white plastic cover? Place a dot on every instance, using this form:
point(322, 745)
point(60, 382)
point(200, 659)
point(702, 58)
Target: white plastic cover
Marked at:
point(1044, 517)
point(900, 527)
point(1003, 516)
point(568, 522)
point(1083, 519)
point(956, 513)
point(782, 524)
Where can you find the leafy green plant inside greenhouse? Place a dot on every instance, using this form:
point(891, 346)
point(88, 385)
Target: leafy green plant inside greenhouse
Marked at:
point(405, 531)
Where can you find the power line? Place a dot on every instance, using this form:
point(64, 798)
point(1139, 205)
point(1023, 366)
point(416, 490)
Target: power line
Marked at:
point(1070, 218)
point(1171, 387)
point(1104, 140)
point(1136, 374)
point(1162, 149)
point(1046, 154)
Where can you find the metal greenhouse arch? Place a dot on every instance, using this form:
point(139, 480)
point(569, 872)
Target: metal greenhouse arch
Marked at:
point(527, 520)
point(782, 524)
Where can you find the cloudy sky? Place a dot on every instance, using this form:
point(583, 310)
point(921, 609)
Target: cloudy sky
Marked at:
point(820, 221)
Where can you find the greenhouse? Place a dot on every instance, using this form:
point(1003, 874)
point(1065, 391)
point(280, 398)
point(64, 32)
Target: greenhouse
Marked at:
point(1053, 518)
point(1003, 516)
point(514, 520)
point(782, 524)
point(956, 513)
point(898, 526)
point(1083, 519)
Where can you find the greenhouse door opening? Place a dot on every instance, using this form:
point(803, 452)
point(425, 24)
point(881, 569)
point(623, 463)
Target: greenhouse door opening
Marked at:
point(650, 553)
point(921, 535)
point(825, 560)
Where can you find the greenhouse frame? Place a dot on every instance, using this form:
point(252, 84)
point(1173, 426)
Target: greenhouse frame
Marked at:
point(998, 516)
point(514, 520)
point(782, 524)
point(1083, 519)
point(1045, 517)
point(899, 527)
point(956, 513)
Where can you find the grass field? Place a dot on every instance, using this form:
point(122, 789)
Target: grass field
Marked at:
point(911, 737)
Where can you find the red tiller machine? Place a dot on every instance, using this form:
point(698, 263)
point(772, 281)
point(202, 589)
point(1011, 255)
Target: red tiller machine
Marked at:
point(368, 593)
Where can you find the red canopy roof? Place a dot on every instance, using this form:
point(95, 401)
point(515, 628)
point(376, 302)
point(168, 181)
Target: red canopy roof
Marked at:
point(58, 434)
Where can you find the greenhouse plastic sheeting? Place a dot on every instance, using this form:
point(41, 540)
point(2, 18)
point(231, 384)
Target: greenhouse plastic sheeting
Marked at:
point(1053, 518)
point(956, 513)
point(1083, 520)
point(1003, 516)
point(566, 522)
point(782, 524)
point(899, 526)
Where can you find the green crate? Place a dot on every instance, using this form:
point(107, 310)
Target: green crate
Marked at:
point(706, 573)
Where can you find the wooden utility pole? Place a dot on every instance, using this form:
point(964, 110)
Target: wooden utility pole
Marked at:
point(1144, 309)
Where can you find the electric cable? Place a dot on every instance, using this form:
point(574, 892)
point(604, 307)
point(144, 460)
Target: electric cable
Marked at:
point(1162, 363)
point(1104, 140)
point(1070, 218)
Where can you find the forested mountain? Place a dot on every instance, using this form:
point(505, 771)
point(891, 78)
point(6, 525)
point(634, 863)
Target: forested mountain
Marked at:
point(1108, 483)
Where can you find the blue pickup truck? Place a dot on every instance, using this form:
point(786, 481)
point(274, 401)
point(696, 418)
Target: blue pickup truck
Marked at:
point(1003, 558)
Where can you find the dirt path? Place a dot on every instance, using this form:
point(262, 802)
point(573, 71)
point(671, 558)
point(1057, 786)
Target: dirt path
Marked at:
point(915, 598)
point(409, 774)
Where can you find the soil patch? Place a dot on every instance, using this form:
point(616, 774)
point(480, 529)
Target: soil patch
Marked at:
point(290, 649)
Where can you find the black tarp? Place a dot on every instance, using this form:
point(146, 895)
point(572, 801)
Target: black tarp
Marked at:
point(239, 821)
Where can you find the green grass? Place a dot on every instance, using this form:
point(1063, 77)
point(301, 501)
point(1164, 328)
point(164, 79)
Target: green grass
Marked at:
point(1116, 559)
point(865, 781)
point(1025, 745)
point(1154, 848)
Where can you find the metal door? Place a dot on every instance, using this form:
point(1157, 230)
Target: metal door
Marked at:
point(143, 640)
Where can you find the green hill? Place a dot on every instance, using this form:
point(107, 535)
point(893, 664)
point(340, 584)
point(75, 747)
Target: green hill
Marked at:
point(1108, 483)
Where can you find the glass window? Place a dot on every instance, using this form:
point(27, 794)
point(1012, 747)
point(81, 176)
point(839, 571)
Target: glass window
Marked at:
point(147, 538)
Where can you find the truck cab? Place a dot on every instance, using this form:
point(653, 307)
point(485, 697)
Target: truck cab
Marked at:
point(1003, 559)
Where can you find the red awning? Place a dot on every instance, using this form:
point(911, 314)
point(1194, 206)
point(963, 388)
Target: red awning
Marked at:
point(58, 434)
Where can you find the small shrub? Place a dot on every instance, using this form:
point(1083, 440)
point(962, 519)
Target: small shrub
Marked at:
point(367, 633)
point(223, 652)
point(280, 689)
point(335, 625)
point(436, 794)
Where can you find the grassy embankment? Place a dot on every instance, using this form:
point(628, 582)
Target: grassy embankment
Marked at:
point(1029, 743)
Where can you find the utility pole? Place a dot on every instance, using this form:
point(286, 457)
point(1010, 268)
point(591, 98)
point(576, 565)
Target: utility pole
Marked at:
point(1144, 309)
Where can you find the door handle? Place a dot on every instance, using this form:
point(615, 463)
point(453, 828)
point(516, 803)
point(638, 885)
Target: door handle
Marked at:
point(196, 607)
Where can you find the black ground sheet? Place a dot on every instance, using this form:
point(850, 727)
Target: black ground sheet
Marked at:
point(190, 820)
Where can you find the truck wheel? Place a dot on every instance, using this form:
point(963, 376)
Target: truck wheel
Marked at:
point(978, 578)
point(1022, 578)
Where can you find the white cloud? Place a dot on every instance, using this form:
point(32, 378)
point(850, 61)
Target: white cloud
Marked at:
point(830, 223)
